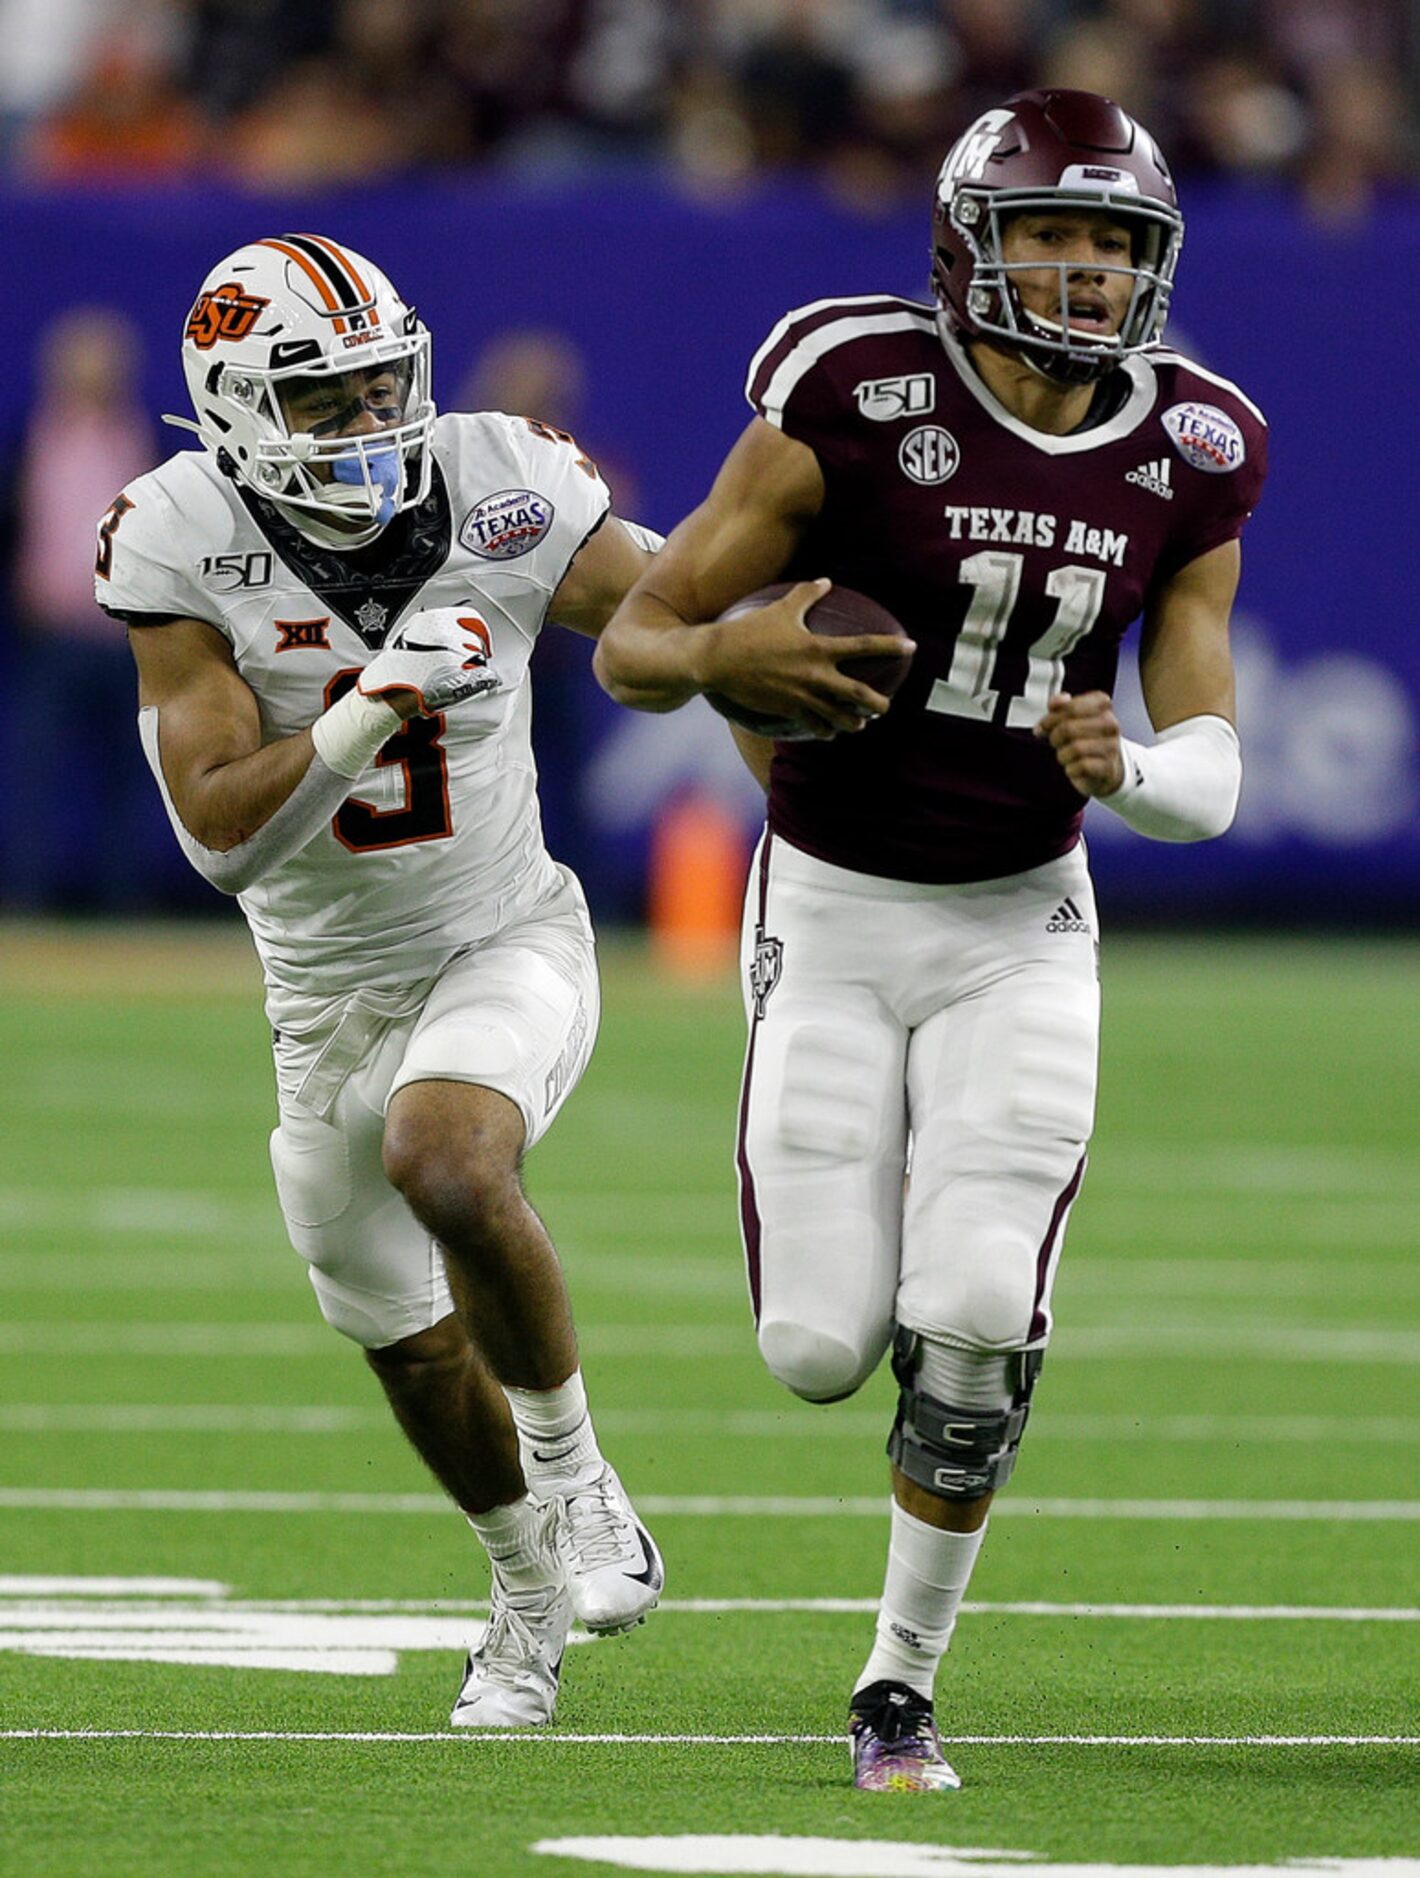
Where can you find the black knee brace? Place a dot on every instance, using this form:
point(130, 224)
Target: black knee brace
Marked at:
point(960, 1454)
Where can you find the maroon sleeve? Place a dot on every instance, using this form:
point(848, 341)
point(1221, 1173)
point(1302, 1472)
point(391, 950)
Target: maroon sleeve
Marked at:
point(790, 383)
point(1217, 500)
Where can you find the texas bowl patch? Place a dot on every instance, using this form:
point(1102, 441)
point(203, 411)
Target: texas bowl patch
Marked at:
point(502, 527)
point(1205, 437)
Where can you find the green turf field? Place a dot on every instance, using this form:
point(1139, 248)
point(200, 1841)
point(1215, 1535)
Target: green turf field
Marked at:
point(232, 1608)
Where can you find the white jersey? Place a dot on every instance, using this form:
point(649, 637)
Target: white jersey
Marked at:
point(440, 843)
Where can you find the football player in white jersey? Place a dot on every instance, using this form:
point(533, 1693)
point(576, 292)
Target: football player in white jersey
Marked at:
point(332, 605)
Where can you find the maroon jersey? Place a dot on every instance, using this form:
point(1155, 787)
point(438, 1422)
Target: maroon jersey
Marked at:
point(1016, 560)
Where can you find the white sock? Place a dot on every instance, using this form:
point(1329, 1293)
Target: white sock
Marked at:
point(928, 1571)
point(556, 1440)
point(513, 1538)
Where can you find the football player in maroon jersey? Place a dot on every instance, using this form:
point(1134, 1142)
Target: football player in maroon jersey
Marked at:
point(1016, 474)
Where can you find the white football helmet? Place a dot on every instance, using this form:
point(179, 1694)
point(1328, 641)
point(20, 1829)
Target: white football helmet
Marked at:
point(291, 340)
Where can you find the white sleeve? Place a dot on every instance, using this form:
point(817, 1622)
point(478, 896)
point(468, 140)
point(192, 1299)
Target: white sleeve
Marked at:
point(644, 537)
point(139, 567)
point(567, 501)
point(1185, 785)
point(300, 818)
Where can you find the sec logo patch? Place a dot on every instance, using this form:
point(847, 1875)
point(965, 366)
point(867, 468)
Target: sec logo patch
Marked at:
point(504, 526)
point(929, 454)
point(1205, 437)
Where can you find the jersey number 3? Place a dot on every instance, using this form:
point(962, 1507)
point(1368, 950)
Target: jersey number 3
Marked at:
point(424, 813)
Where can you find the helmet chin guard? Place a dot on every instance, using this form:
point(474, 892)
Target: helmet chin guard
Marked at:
point(1043, 152)
point(300, 314)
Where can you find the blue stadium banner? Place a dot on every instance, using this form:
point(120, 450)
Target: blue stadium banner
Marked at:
point(665, 298)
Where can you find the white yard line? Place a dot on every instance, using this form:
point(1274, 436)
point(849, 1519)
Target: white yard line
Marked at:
point(787, 1424)
point(41, 1602)
point(696, 1506)
point(144, 1418)
point(1304, 1170)
point(1163, 1275)
point(117, 1215)
point(50, 1587)
point(165, 1340)
point(714, 1507)
point(199, 1211)
point(544, 1738)
point(1240, 1613)
point(1223, 1342)
point(1312, 1171)
point(1219, 1343)
point(867, 1607)
point(127, 1270)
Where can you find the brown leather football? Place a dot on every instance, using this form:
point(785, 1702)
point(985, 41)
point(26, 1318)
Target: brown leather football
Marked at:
point(841, 613)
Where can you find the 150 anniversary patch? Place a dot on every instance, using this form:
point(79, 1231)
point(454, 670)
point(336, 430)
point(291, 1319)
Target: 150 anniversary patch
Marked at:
point(508, 524)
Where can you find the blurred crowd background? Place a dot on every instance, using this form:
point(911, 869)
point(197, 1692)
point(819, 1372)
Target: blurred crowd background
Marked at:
point(286, 93)
point(601, 206)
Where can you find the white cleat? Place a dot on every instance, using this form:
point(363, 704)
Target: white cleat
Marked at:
point(510, 1680)
point(614, 1572)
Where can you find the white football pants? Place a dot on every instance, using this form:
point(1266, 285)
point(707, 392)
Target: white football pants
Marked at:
point(952, 1028)
point(517, 1013)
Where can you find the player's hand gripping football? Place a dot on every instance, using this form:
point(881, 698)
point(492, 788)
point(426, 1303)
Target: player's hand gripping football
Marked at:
point(431, 661)
point(767, 660)
point(1085, 736)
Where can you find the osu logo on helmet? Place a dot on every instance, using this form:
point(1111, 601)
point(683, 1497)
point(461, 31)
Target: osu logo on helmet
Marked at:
point(224, 313)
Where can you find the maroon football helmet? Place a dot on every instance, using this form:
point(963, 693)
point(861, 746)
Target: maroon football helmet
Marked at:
point(1047, 150)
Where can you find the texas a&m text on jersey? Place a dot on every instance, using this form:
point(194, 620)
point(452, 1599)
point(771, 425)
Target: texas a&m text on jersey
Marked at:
point(1016, 473)
point(1017, 560)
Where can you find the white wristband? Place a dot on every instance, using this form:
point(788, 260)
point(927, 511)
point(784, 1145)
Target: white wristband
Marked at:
point(350, 734)
point(1184, 786)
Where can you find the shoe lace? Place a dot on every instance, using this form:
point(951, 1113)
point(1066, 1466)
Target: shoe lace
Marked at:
point(599, 1530)
point(510, 1648)
point(507, 1650)
point(896, 1721)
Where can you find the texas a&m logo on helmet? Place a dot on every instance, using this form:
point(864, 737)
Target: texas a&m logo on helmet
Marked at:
point(1053, 151)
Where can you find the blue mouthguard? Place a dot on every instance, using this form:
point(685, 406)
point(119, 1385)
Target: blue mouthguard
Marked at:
point(383, 466)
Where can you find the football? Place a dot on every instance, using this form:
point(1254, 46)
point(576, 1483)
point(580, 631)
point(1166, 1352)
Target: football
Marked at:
point(841, 613)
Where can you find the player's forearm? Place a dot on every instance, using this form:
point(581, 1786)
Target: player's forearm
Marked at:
point(653, 659)
point(240, 820)
point(225, 803)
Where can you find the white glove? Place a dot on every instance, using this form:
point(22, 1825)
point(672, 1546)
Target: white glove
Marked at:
point(442, 654)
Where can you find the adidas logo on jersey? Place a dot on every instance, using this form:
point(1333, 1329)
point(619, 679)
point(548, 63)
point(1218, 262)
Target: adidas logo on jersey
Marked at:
point(1154, 477)
point(1067, 917)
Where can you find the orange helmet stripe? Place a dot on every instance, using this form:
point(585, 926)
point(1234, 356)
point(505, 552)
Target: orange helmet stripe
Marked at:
point(365, 298)
point(339, 255)
point(312, 273)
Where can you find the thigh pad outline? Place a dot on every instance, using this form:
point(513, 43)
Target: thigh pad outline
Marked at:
point(825, 1085)
point(1050, 1091)
point(310, 1159)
